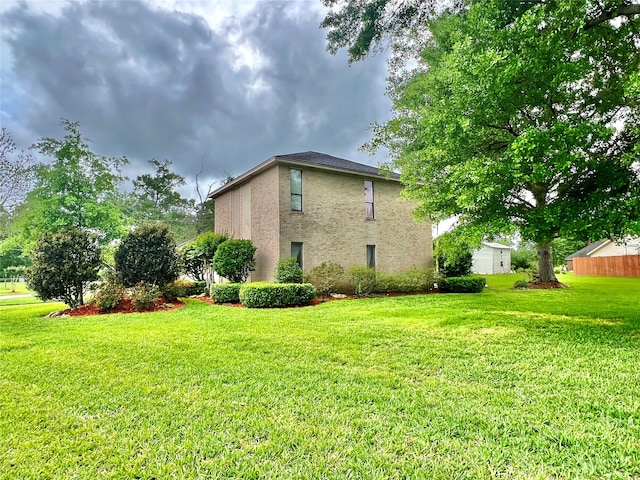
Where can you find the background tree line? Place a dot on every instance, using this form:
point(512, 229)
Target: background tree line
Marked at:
point(80, 189)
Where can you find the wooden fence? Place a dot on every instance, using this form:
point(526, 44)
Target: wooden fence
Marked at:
point(622, 266)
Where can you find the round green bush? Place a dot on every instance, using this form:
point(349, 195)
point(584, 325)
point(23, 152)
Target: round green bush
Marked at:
point(234, 259)
point(288, 271)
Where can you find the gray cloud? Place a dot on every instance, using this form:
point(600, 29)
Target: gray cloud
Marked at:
point(152, 83)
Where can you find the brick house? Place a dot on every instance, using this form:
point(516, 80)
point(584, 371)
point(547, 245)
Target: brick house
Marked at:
point(317, 208)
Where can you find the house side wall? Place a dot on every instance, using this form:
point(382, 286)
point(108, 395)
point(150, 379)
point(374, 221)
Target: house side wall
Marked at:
point(482, 260)
point(250, 211)
point(610, 249)
point(332, 225)
point(265, 223)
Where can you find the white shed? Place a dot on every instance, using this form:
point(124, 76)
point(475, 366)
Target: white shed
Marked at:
point(491, 258)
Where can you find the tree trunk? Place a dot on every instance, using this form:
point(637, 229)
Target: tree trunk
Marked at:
point(545, 264)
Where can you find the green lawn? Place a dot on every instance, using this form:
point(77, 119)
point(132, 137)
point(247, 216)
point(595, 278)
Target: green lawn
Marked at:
point(503, 384)
point(7, 288)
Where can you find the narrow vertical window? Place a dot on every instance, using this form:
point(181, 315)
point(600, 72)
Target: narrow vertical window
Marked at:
point(371, 256)
point(296, 252)
point(296, 190)
point(368, 199)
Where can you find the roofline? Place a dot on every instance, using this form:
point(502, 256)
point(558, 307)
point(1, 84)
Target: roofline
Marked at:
point(280, 160)
point(606, 242)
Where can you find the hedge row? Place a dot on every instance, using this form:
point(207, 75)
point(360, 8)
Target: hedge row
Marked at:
point(269, 295)
point(226, 292)
point(462, 284)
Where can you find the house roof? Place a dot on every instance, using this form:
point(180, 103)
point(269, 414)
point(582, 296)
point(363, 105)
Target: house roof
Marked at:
point(312, 159)
point(584, 252)
point(496, 245)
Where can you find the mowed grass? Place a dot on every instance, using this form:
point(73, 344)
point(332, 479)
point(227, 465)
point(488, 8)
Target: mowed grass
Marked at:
point(503, 384)
point(18, 288)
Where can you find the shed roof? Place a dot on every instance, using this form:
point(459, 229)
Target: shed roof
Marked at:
point(312, 159)
point(496, 245)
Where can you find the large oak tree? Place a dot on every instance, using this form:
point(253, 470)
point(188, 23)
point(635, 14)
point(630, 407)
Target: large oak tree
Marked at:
point(524, 114)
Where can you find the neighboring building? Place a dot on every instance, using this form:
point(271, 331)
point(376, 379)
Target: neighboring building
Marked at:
point(319, 208)
point(583, 252)
point(607, 248)
point(491, 258)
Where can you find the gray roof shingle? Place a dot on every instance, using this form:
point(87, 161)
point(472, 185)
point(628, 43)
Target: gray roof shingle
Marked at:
point(313, 159)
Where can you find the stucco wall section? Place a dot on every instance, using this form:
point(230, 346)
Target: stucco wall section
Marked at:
point(333, 227)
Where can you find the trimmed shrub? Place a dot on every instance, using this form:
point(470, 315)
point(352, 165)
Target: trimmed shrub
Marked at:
point(148, 255)
point(226, 292)
point(144, 295)
point(234, 259)
point(325, 277)
point(413, 280)
point(462, 284)
point(362, 279)
point(108, 294)
point(270, 295)
point(62, 263)
point(288, 271)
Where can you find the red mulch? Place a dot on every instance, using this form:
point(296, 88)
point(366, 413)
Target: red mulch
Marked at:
point(126, 306)
point(319, 300)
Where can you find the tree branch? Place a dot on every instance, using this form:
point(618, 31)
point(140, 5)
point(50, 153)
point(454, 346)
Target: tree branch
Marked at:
point(622, 11)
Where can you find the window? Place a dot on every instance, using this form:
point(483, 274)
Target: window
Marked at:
point(371, 256)
point(296, 190)
point(296, 252)
point(368, 199)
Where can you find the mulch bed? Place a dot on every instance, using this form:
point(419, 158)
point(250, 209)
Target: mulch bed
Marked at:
point(127, 306)
point(319, 300)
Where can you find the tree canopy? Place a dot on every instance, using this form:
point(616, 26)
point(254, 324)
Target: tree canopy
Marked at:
point(78, 189)
point(523, 115)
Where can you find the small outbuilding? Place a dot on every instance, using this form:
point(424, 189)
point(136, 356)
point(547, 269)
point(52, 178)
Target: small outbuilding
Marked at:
point(491, 258)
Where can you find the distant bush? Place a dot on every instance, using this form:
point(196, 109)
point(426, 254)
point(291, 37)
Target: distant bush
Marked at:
point(182, 288)
point(148, 255)
point(226, 292)
point(462, 284)
point(234, 259)
point(288, 271)
point(362, 279)
point(270, 295)
point(144, 295)
point(521, 284)
point(523, 259)
point(413, 280)
point(456, 266)
point(325, 277)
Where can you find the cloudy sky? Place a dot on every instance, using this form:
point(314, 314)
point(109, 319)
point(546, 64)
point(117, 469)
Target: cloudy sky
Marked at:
point(231, 81)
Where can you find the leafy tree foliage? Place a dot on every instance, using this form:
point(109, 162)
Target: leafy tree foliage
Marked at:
point(155, 198)
point(148, 255)
point(205, 216)
point(16, 172)
point(524, 115)
point(197, 256)
point(62, 263)
point(13, 258)
point(234, 259)
point(79, 189)
point(563, 247)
